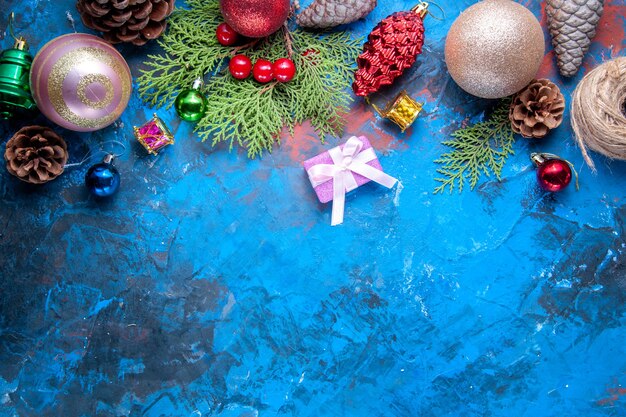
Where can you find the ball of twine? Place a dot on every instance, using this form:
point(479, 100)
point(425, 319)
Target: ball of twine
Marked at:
point(598, 117)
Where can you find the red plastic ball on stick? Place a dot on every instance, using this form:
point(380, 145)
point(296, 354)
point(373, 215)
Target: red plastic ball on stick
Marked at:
point(240, 67)
point(284, 70)
point(226, 35)
point(263, 71)
point(554, 175)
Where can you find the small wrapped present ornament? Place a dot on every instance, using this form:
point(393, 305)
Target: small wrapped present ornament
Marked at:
point(154, 135)
point(403, 110)
point(343, 169)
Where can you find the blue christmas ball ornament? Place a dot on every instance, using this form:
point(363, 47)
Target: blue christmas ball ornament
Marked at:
point(102, 179)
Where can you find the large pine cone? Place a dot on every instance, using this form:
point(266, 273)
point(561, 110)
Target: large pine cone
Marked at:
point(134, 21)
point(36, 154)
point(572, 26)
point(322, 14)
point(391, 48)
point(537, 109)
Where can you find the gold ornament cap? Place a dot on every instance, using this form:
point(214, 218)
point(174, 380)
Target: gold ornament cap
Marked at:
point(20, 43)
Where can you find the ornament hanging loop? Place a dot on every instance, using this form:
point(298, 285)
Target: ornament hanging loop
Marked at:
point(539, 158)
point(197, 83)
point(109, 156)
point(20, 43)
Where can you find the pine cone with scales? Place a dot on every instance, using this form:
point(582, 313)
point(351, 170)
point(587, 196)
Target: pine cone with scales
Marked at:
point(391, 48)
point(323, 14)
point(537, 109)
point(572, 25)
point(36, 154)
point(134, 21)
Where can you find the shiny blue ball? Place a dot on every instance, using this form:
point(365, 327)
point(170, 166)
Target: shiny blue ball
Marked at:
point(102, 180)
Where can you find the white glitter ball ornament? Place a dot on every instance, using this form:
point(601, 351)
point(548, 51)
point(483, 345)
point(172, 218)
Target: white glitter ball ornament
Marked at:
point(494, 48)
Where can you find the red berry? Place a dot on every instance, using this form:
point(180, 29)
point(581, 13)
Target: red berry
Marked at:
point(263, 71)
point(284, 70)
point(226, 35)
point(240, 67)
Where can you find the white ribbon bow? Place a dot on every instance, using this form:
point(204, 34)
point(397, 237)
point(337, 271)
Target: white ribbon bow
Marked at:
point(346, 161)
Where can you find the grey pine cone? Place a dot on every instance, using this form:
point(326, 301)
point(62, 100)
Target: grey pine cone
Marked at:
point(323, 14)
point(572, 26)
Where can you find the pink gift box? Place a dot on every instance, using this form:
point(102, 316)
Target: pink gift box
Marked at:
point(324, 191)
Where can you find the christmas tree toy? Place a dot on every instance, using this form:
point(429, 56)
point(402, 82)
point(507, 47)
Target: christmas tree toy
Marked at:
point(15, 63)
point(403, 110)
point(255, 18)
point(554, 174)
point(191, 104)
point(494, 48)
point(154, 135)
point(103, 179)
point(391, 48)
point(70, 96)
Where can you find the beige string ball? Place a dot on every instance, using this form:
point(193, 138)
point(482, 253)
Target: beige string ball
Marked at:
point(598, 106)
point(494, 48)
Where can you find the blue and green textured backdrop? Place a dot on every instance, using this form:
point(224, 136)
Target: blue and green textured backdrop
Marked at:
point(213, 285)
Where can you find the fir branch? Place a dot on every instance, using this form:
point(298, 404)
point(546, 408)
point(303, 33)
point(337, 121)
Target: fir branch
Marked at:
point(242, 114)
point(246, 113)
point(479, 149)
point(191, 50)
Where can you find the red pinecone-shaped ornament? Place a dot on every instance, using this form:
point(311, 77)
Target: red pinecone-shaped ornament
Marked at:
point(391, 48)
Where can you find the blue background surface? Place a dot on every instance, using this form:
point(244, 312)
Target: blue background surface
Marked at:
point(213, 285)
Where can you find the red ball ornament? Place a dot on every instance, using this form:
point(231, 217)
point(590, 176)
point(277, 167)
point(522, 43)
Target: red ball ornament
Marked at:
point(263, 71)
point(553, 173)
point(226, 35)
point(284, 70)
point(255, 18)
point(240, 67)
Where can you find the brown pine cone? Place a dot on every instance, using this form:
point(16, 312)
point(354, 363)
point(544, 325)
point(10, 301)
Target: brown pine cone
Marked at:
point(36, 154)
point(572, 25)
point(323, 14)
point(134, 21)
point(537, 109)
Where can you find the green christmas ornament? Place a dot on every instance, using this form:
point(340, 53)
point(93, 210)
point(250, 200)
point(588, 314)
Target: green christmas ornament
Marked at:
point(191, 104)
point(15, 65)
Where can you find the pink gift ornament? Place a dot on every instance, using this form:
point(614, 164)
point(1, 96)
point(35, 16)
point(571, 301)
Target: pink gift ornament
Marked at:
point(154, 135)
point(343, 169)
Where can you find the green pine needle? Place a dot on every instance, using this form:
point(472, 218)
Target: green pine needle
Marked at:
point(247, 113)
point(479, 149)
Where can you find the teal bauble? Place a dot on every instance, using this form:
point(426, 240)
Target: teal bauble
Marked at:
point(191, 104)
